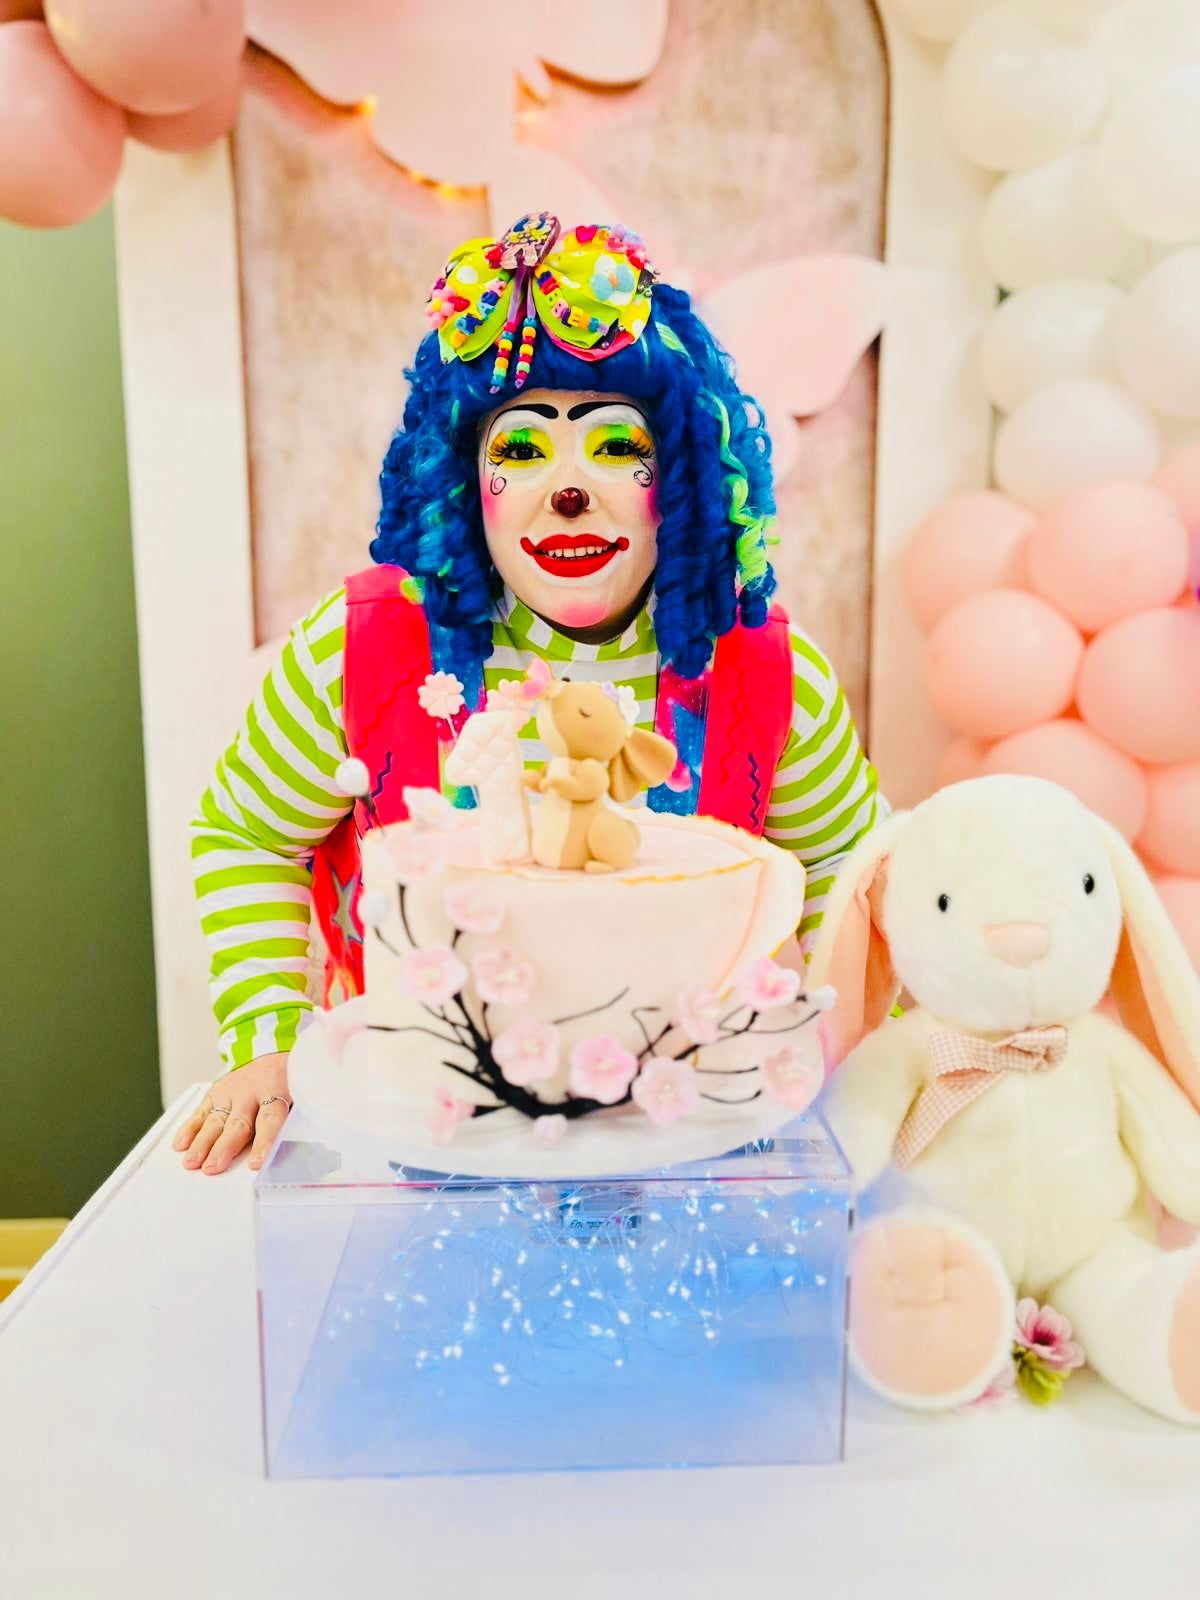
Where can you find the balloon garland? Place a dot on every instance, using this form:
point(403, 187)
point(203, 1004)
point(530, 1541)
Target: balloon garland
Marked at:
point(1060, 607)
point(166, 72)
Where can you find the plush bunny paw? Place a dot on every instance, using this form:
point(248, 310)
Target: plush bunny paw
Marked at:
point(1184, 1347)
point(931, 1313)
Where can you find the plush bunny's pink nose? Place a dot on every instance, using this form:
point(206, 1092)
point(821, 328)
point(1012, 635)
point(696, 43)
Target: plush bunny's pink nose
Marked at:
point(1018, 943)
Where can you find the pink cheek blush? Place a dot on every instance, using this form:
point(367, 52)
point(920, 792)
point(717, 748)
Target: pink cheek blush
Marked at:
point(583, 613)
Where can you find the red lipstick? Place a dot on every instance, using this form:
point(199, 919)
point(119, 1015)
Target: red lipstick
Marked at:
point(573, 555)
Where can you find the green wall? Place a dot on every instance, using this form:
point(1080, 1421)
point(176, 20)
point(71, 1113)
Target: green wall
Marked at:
point(78, 1055)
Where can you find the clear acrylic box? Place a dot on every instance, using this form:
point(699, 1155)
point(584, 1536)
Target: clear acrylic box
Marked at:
point(413, 1323)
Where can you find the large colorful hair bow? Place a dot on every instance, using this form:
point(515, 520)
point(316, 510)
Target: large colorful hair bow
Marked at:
point(588, 289)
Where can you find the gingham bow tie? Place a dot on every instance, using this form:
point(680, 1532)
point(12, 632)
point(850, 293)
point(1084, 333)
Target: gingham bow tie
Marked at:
point(964, 1069)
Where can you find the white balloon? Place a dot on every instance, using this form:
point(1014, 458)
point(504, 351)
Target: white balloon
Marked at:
point(1053, 222)
point(1158, 336)
point(939, 20)
point(1071, 17)
point(1016, 94)
point(1073, 433)
point(1061, 329)
point(1150, 156)
point(1147, 37)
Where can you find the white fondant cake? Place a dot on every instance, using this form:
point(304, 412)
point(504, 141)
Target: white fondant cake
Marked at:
point(558, 993)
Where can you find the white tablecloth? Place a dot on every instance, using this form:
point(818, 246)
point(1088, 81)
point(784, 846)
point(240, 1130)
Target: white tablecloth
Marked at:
point(131, 1465)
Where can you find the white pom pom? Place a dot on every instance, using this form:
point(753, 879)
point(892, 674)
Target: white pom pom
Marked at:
point(822, 999)
point(374, 908)
point(352, 777)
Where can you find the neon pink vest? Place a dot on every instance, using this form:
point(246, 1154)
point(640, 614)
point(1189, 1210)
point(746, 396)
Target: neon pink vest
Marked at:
point(387, 659)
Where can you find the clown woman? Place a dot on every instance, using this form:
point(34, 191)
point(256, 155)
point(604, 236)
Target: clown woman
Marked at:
point(578, 480)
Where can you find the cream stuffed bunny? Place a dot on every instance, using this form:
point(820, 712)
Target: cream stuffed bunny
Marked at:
point(1038, 1135)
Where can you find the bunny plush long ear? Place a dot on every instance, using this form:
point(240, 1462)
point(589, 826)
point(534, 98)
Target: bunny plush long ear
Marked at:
point(642, 761)
point(851, 951)
point(1154, 985)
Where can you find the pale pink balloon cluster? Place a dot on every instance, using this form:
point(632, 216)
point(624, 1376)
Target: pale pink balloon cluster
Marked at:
point(74, 84)
point(1065, 644)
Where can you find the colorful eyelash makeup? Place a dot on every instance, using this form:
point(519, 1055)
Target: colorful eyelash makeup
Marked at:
point(618, 442)
point(617, 445)
point(519, 447)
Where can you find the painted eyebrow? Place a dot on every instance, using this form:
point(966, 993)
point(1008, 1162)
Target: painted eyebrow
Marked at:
point(585, 406)
point(532, 405)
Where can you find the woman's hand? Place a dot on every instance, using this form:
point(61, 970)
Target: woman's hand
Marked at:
point(249, 1103)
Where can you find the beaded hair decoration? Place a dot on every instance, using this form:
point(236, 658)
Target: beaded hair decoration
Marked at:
point(589, 290)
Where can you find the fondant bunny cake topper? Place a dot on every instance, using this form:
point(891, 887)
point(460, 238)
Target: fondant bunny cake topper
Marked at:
point(1031, 1126)
point(596, 753)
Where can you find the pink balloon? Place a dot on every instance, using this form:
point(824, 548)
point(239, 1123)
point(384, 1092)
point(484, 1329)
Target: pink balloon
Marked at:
point(1107, 551)
point(1181, 899)
point(60, 143)
point(191, 130)
point(974, 541)
point(1139, 685)
point(1001, 661)
point(156, 57)
point(961, 759)
point(1179, 476)
point(1171, 834)
point(1068, 752)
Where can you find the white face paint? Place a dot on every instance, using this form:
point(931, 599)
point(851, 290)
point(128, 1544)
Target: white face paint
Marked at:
point(568, 483)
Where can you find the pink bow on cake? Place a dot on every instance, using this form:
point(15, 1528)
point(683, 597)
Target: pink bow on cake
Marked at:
point(965, 1068)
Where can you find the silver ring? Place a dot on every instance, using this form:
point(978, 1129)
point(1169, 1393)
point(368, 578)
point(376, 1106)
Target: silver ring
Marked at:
point(219, 1111)
point(271, 1099)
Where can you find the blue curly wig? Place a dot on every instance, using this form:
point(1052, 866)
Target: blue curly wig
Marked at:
point(714, 489)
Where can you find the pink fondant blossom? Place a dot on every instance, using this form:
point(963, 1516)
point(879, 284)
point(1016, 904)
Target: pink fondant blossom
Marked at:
point(448, 1115)
point(441, 695)
point(527, 1052)
point(764, 984)
point(518, 694)
point(410, 855)
point(1000, 1391)
point(431, 976)
point(340, 1025)
point(666, 1090)
point(547, 1131)
point(502, 978)
point(790, 1076)
point(429, 809)
point(537, 680)
point(700, 1014)
point(472, 909)
point(507, 696)
point(1047, 1333)
point(602, 1069)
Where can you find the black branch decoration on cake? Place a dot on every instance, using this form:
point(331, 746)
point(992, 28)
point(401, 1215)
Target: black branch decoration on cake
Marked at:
point(676, 1067)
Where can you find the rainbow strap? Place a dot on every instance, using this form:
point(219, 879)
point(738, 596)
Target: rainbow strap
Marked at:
point(589, 290)
point(681, 715)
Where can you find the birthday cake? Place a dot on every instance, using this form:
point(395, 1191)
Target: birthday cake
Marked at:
point(565, 961)
point(542, 963)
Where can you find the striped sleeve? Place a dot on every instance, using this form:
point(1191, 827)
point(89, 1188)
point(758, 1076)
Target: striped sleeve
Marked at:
point(273, 799)
point(825, 795)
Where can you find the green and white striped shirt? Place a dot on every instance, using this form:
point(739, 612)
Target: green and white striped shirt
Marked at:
point(273, 799)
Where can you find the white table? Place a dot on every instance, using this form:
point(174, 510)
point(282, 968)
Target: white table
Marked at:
point(131, 1465)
